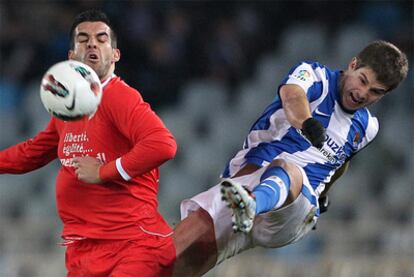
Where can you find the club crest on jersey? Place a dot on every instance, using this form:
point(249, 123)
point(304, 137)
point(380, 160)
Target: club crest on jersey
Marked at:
point(356, 139)
point(302, 75)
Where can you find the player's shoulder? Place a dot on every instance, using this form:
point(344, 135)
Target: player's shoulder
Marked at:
point(313, 65)
point(311, 68)
point(118, 89)
point(368, 122)
point(364, 115)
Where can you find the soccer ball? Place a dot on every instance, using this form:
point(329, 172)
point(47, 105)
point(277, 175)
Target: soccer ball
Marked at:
point(70, 90)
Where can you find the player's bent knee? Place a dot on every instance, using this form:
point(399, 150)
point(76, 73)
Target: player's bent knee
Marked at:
point(295, 176)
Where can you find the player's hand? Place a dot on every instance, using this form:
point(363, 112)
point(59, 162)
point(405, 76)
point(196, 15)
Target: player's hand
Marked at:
point(323, 203)
point(87, 169)
point(314, 131)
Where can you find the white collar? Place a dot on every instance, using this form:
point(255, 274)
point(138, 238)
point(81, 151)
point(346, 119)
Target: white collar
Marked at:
point(108, 80)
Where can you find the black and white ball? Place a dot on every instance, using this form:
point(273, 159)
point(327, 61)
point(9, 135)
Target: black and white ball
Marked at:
point(71, 90)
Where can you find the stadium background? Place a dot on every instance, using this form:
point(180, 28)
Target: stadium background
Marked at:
point(209, 69)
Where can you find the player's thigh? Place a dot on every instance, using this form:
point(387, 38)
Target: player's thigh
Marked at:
point(141, 268)
point(152, 259)
point(197, 227)
point(196, 244)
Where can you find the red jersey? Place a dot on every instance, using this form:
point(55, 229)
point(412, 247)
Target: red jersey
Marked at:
point(131, 141)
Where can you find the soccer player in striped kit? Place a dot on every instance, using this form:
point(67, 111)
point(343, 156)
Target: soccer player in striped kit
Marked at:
point(297, 148)
point(107, 186)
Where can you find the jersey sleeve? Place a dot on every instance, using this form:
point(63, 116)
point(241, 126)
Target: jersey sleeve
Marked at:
point(309, 77)
point(31, 154)
point(153, 144)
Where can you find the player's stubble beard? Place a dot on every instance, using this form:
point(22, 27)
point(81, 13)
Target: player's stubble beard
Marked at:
point(101, 68)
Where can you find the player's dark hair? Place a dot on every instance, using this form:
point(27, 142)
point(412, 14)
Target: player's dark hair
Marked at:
point(91, 16)
point(388, 62)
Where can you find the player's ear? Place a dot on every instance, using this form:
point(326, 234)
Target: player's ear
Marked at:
point(353, 64)
point(116, 55)
point(70, 54)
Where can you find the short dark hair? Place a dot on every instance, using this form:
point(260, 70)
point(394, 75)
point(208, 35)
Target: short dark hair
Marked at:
point(91, 16)
point(388, 62)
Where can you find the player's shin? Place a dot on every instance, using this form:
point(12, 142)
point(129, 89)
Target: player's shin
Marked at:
point(273, 189)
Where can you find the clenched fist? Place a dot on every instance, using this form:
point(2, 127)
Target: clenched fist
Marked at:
point(314, 131)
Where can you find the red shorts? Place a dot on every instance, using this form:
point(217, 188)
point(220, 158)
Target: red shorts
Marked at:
point(153, 256)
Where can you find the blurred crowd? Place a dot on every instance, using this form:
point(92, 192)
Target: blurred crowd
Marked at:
point(209, 68)
point(165, 43)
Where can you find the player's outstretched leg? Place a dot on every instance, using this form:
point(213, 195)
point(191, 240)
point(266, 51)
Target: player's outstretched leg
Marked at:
point(242, 204)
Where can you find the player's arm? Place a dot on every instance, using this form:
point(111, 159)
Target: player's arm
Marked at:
point(152, 143)
point(297, 110)
point(295, 104)
point(31, 154)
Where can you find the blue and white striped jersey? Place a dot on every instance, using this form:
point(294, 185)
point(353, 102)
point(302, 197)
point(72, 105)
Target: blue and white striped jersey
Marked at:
point(271, 136)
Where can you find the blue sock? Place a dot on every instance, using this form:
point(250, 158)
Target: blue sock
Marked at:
point(273, 190)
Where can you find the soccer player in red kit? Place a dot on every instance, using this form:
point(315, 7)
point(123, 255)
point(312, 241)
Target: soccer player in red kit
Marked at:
point(107, 186)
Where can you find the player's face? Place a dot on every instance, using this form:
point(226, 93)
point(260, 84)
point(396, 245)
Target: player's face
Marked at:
point(92, 46)
point(360, 87)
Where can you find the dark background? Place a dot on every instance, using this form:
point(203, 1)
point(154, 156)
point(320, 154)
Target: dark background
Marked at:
point(209, 68)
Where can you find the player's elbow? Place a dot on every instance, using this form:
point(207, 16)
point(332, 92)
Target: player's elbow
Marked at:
point(170, 149)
